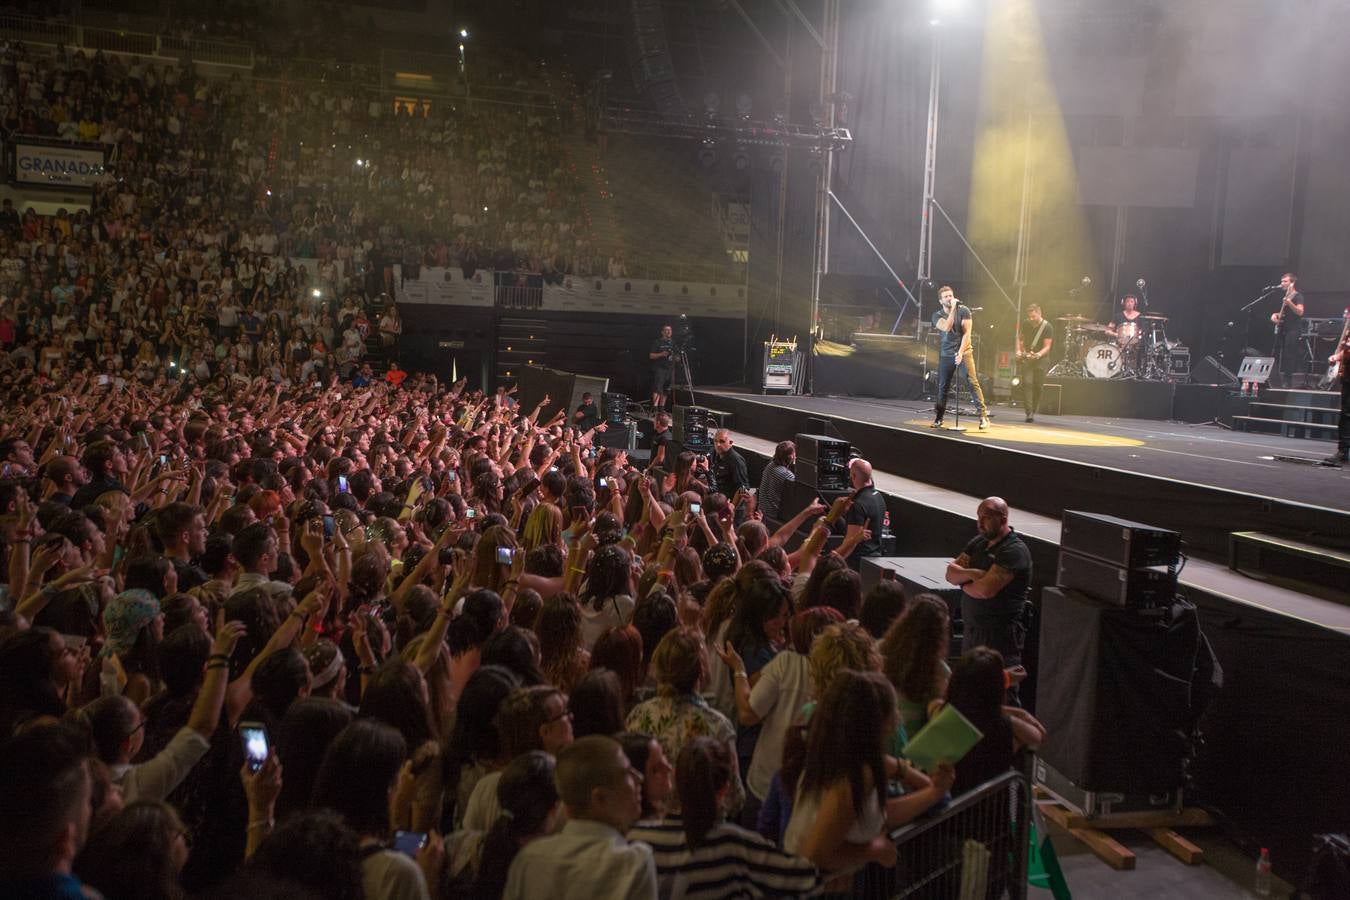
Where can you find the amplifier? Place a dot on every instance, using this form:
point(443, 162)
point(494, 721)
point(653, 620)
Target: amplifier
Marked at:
point(823, 477)
point(1128, 545)
point(693, 428)
point(817, 448)
point(615, 406)
point(1141, 588)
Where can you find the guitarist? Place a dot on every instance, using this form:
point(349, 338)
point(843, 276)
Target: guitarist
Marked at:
point(1288, 321)
point(1341, 358)
point(1034, 356)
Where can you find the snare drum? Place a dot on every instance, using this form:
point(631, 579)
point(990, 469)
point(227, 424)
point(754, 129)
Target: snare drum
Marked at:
point(1103, 360)
point(1127, 333)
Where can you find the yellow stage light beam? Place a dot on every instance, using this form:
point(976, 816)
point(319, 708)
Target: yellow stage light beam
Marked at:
point(1021, 140)
point(1044, 435)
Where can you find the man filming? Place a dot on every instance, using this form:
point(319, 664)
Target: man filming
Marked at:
point(662, 356)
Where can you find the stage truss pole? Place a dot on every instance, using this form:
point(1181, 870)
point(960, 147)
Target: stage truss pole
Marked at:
point(925, 270)
point(829, 79)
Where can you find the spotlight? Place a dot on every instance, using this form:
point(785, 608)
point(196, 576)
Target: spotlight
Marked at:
point(707, 153)
point(464, 33)
point(360, 163)
point(1016, 382)
point(316, 292)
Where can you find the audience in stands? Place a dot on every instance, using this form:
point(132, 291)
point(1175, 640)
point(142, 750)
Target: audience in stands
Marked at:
point(442, 610)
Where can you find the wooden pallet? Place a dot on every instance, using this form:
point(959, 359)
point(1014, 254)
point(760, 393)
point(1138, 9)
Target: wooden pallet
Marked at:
point(1092, 832)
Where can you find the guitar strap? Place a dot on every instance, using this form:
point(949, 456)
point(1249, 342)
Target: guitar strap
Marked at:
point(1036, 341)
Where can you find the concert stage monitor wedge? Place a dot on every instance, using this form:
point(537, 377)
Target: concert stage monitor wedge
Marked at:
point(694, 428)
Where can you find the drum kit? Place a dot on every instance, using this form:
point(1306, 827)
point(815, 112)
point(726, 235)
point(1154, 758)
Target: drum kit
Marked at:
point(1139, 349)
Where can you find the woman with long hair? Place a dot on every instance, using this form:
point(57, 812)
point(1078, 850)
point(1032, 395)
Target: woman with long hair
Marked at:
point(563, 658)
point(543, 526)
point(596, 702)
point(134, 626)
point(529, 805)
point(620, 651)
point(977, 689)
point(701, 852)
point(475, 748)
point(658, 773)
point(397, 695)
point(357, 780)
point(308, 728)
point(607, 600)
point(914, 658)
point(488, 571)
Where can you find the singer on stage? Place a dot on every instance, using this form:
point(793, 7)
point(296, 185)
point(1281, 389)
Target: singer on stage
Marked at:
point(1034, 340)
point(955, 322)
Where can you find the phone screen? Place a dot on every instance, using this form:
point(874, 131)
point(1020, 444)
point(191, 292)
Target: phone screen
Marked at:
point(342, 484)
point(604, 482)
point(410, 843)
point(504, 555)
point(328, 527)
point(470, 513)
point(254, 737)
point(696, 508)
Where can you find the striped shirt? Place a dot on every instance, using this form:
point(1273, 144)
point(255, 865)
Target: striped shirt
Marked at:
point(732, 862)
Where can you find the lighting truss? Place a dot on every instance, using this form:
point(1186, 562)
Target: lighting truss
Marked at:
point(694, 127)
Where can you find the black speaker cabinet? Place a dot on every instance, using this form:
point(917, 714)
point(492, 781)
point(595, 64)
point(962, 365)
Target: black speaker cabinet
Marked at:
point(1115, 692)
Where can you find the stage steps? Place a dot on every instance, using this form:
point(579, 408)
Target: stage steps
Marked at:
point(1320, 571)
point(1293, 413)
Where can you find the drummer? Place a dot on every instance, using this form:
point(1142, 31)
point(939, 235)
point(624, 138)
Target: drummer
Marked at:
point(1125, 327)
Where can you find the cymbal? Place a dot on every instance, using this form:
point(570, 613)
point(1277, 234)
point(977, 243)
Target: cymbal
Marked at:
point(1095, 328)
point(1155, 318)
point(1073, 319)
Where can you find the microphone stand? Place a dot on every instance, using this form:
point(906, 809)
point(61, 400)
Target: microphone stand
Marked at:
point(1247, 321)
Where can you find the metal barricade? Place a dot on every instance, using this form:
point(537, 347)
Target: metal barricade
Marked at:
point(974, 849)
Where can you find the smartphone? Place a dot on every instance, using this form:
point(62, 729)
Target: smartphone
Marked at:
point(696, 508)
point(342, 484)
point(163, 459)
point(328, 527)
point(553, 468)
point(504, 555)
point(410, 843)
point(604, 482)
point(253, 735)
point(450, 476)
point(470, 513)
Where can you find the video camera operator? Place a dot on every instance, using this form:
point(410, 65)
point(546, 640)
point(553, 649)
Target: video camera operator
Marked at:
point(662, 357)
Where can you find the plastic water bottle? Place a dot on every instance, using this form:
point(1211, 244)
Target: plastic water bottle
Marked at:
point(886, 523)
point(1261, 886)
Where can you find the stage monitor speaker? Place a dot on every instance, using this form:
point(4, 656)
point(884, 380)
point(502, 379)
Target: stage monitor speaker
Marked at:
point(1120, 542)
point(1210, 371)
point(823, 477)
point(614, 406)
point(816, 448)
point(693, 428)
point(1116, 691)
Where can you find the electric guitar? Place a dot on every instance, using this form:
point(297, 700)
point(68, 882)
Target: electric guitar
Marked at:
point(1335, 369)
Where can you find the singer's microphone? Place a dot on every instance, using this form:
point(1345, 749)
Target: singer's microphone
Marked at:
point(975, 308)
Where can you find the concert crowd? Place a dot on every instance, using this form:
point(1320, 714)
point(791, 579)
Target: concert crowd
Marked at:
point(276, 619)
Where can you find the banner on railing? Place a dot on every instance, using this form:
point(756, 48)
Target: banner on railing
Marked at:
point(68, 166)
point(449, 287)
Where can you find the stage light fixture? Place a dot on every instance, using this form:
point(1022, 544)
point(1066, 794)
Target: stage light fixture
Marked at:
point(317, 293)
point(707, 153)
point(741, 158)
point(464, 33)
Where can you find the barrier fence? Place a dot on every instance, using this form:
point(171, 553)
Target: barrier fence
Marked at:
point(976, 848)
point(117, 40)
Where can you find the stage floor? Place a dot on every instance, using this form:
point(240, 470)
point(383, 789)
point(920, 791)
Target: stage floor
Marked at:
point(1206, 455)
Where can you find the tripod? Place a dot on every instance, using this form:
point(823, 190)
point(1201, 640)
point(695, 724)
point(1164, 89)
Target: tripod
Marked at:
point(682, 358)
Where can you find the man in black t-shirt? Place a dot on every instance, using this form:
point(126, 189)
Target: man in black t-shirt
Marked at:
point(663, 437)
point(868, 512)
point(1034, 342)
point(662, 357)
point(994, 574)
point(587, 415)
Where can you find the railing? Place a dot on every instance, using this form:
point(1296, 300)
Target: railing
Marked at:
point(117, 40)
point(977, 847)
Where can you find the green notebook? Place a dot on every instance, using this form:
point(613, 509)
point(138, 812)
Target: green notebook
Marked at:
point(946, 738)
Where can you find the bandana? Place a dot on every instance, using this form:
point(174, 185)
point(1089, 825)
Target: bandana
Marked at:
point(126, 615)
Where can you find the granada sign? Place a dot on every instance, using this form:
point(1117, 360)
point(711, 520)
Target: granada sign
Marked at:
point(39, 164)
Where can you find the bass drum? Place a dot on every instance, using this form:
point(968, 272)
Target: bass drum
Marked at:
point(1103, 360)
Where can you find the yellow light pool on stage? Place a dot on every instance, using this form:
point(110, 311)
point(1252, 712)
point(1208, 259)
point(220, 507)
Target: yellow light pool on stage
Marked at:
point(1045, 435)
